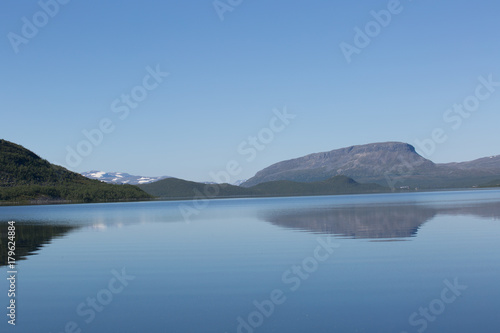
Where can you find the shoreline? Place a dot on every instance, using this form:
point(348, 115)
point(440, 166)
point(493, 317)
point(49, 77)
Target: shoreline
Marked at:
point(73, 202)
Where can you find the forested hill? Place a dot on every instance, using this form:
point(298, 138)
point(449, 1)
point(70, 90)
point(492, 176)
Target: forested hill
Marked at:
point(26, 177)
point(173, 188)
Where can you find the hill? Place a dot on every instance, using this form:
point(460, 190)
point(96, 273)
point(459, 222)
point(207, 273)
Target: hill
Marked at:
point(30, 238)
point(334, 185)
point(494, 183)
point(174, 188)
point(25, 177)
point(392, 164)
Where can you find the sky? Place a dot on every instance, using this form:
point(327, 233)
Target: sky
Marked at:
point(202, 89)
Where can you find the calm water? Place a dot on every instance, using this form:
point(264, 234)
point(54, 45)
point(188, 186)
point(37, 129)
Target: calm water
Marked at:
point(363, 263)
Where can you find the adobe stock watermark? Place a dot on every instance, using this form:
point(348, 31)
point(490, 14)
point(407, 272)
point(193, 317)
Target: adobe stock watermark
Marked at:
point(121, 107)
point(454, 117)
point(248, 148)
point(291, 279)
point(32, 26)
point(223, 6)
point(372, 29)
point(89, 309)
point(420, 319)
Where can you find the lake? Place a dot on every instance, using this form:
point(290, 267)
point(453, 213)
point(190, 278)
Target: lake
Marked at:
point(410, 262)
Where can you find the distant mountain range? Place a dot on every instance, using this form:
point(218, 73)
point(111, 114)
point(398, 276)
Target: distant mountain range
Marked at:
point(121, 177)
point(371, 168)
point(125, 178)
point(239, 182)
point(392, 164)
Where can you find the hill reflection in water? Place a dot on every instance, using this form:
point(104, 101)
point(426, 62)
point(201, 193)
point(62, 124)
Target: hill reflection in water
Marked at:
point(30, 238)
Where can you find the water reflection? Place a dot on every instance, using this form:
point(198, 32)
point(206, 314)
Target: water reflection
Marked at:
point(30, 238)
point(490, 210)
point(376, 222)
point(380, 221)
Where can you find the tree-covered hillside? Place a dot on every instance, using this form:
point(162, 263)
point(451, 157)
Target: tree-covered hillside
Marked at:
point(183, 189)
point(175, 188)
point(25, 177)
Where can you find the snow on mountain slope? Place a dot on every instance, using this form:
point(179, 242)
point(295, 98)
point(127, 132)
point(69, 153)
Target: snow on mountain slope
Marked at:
point(121, 177)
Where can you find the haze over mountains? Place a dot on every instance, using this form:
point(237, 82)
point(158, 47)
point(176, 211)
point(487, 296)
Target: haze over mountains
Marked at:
point(393, 164)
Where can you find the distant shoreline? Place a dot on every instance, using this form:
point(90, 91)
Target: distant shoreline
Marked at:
point(73, 202)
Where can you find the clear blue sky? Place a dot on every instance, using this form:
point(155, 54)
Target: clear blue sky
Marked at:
point(226, 77)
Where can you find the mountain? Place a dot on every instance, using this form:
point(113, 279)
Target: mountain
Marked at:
point(239, 182)
point(491, 163)
point(393, 164)
point(27, 178)
point(183, 189)
point(125, 178)
point(120, 177)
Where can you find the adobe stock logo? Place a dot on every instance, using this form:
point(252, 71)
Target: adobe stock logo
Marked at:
point(223, 6)
point(31, 27)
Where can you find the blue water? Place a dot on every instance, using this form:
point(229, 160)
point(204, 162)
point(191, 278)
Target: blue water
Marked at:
point(360, 263)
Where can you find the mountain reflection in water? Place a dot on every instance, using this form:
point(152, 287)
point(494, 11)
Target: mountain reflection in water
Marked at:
point(381, 221)
point(389, 222)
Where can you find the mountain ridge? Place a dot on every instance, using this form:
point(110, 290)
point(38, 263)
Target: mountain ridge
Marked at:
point(120, 177)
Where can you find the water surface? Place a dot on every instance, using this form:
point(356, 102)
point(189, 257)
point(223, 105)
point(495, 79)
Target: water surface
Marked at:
point(358, 263)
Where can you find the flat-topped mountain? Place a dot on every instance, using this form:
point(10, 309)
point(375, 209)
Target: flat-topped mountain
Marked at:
point(393, 164)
